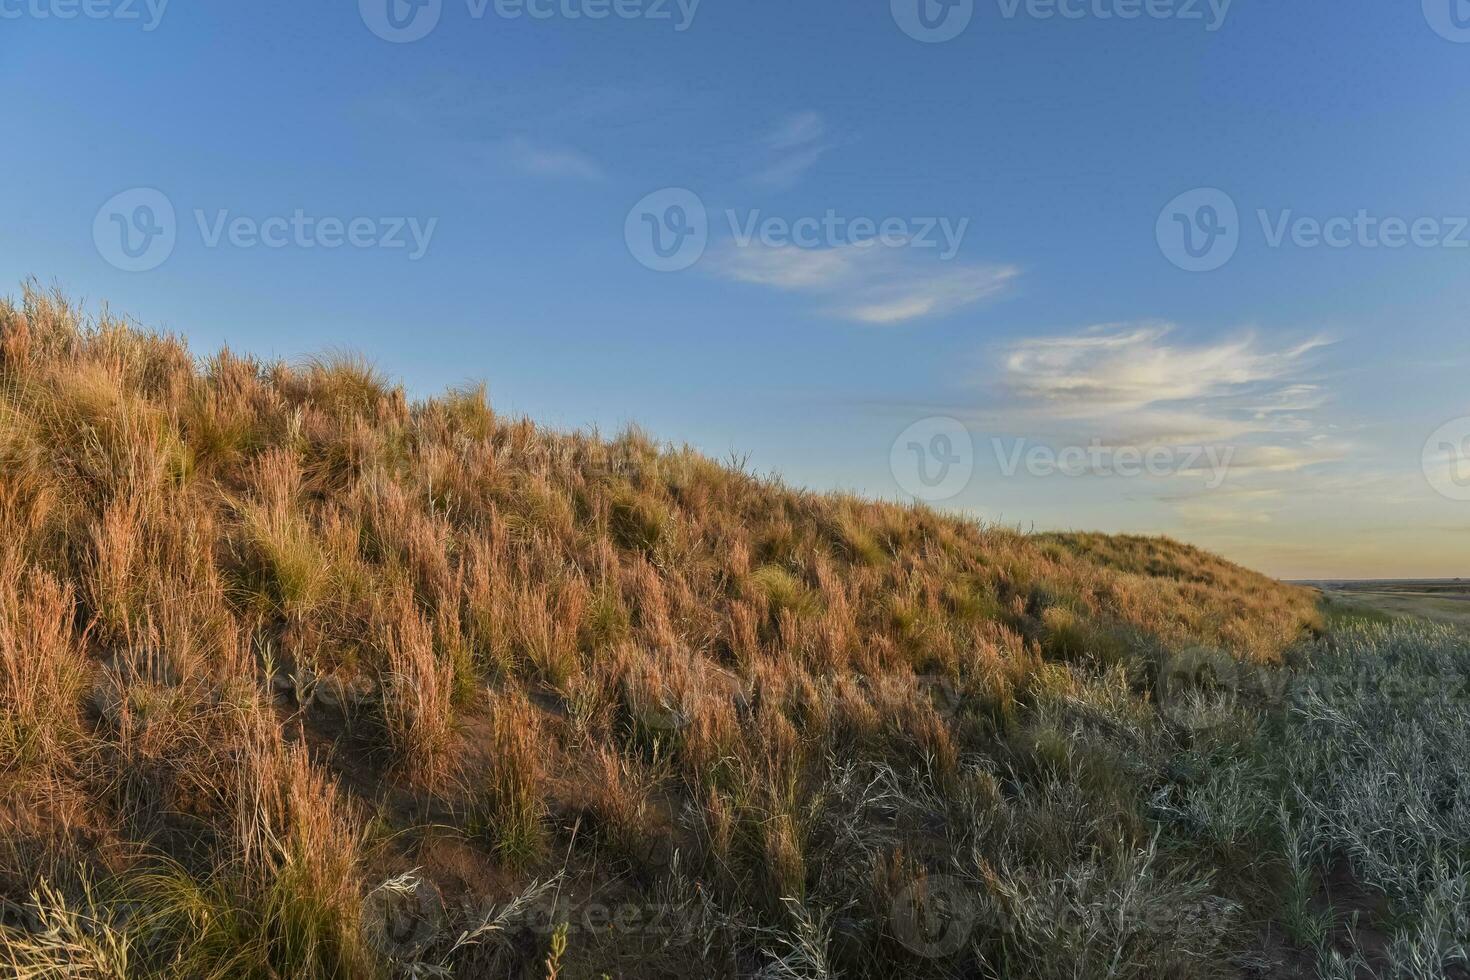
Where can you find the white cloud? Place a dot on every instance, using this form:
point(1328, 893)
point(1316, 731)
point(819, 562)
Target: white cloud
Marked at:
point(1292, 398)
point(868, 282)
point(1256, 406)
point(540, 160)
point(792, 149)
point(798, 130)
point(1115, 368)
point(791, 268)
point(1287, 458)
point(1204, 512)
point(914, 296)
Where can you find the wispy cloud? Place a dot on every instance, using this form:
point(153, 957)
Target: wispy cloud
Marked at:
point(910, 297)
point(867, 283)
point(793, 148)
point(1135, 385)
point(536, 159)
point(792, 268)
point(1117, 367)
point(1197, 511)
point(561, 132)
point(1132, 383)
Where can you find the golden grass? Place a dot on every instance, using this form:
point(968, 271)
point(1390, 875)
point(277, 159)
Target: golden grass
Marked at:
point(672, 652)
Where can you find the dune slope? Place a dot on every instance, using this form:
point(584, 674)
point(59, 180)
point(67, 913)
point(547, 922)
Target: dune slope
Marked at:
point(298, 677)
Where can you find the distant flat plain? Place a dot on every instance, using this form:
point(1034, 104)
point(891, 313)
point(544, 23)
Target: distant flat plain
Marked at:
point(1442, 600)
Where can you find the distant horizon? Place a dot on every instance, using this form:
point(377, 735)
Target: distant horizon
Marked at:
point(1313, 581)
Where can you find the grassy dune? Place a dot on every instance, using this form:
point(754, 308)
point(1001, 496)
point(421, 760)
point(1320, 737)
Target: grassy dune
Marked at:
point(299, 678)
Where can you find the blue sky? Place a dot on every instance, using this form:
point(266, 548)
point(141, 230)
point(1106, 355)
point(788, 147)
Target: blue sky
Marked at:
point(1027, 173)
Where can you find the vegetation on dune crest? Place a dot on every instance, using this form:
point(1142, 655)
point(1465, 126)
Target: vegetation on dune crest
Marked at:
point(298, 678)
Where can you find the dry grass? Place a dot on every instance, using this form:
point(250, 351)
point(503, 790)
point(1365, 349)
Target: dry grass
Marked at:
point(267, 630)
